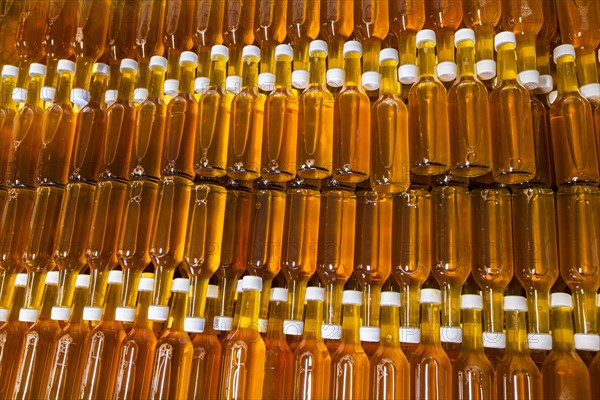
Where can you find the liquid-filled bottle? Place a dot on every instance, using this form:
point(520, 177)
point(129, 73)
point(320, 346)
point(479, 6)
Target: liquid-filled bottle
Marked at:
point(407, 17)
point(177, 33)
point(8, 110)
point(270, 19)
point(337, 25)
point(444, 17)
point(207, 32)
point(482, 17)
point(8, 29)
point(371, 19)
point(303, 25)
point(543, 47)
point(149, 41)
point(238, 32)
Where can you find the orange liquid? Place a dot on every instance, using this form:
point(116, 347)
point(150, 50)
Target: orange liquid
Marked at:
point(337, 24)
point(12, 338)
point(302, 27)
point(60, 33)
point(9, 19)
point(28, 40)
point(238, 31)
point(406, 19)
point(444, 17)
point(269, 30)
point(482, 16)
point(207, 31)
point(178, 26)
point(371, 27)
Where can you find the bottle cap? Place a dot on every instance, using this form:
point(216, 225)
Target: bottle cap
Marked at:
point(171, 87)
point(82, 281)
point(561, 300)
point(79, 96)
point(193, 324)
point(3, 314)
point(52, 278)
point(388, 54)
point(503, 38)
point(284, 50)
point(36, 69)
point(408, 74)
point(464, 34)
point(251, 51)
point(279, 294)
point(471, 302)
point(65, 66)
point(201, 84)
point(180, 285)
point(371, 80)
point(110, 96)
point(425, 35)
point(28, 314)
point(140, 95)
point(446, 71)
point(530, 79)
point(239, 287)
point(539, 341)
point(115, 277)
point(515, 303)
point(47, 93)
point(219, 50)
point(591, 91)
point(101, 68)
point(552, 96)
point(293, 327)
point(266, 81)
point(587, 342)
point(300, 78)
point(598, 300)
point(10, 70)
point(128, 63)
point(486, 69)
point(335, 77)
point(212, 292)
point(92, 313)
point(263, 325)
point(221, 323)
point(317, 45)
point(19, 95)
point(390, 299)
point(252, 283)
point(125, 314)
point(158, 313)
point(314, 293)
point(431, 296)
point(188, 57)
point(546, 84)
point(494, 340)
point(233, 83)
point(146, 284)
point(451, 334)
point(562, 51)
point(60, 313)
point(352, 297)
point(352, 46)
point(331, 331)
point(410, 335)
point(158, 62)
point(369, 334)
point(21, 280)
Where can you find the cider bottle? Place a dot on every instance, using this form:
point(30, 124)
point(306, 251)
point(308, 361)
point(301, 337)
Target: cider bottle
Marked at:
point(431, 371)
point(428, 114)
point(407, 17)
point(174, 350)
point(469, 114)
point(315, 118)
point(543, 47)
point(177, 33)
point(226, 325)
point(8, 28)
point(352, 123)
point(302, 27)
point(517, 376)
point(513, 155)
point(389, 370)
point(594, 370)
point(246, 120)
point(149, 42)
point(482, 17)
point(207, 32)
point(8, 110)
point(349, 363)
point(270, 31)
point(244, 351)
point(371, 27)
point(444, 17)
point(238, 32)
point(337, 25)
point(280, 129)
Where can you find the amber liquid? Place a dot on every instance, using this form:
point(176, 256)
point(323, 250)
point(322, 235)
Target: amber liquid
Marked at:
point(482, 17)
point(238, 30)
point(406, 19)
point(61, 20)
point(279, 359)
point(9, 19)
point(371, 19)
point(28, 40)
point(302, 27)
point(177, 34)
point(544, 161)
point(121, 36)
point(207, 31)
point(7, 115)
point(544, 37)
point(444, 17)
point(12, 338)
point(269, 30)
point(337, 24)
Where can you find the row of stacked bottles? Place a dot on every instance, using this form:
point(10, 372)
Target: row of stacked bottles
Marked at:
point(348, 158)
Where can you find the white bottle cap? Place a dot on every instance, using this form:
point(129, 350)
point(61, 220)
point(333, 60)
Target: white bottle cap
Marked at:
point(28, 314)
point(530, 79)
point(193, 324)
point(188, 57)
point(82, 281)
point(561, 300)
point(451, 334)
point(471, 302)
point(101, 68)
point(494, 340)
point(352, 46)
point(284, 50)
point(300, 78)
point(562, 51)
point(293, 327)
point(486, 69)
point(426, 35)
point(546, 84)
point(331, 331)
point(158, 313)
point(219, 50)
point(446, 71)
point(60, 313)
point(171, 87)
point(410, 335)
point(140, 95)
point(3, 314)
point(233, 83)
point(431, 296)
point(47, 93)
point(115, 277)
point(369, 334)
point(252, 283)
point(158, 62)
point(388, 54)
point(110, 96)
point(125, 314)
point(587, 342)
point(371, 80)
point(222, 323)
point(539, 341)
point(391, 299)
point(10, 70)
point(201, 84)
point(552, 96)
point(266, 81)
point(128, 63)
point(503, 38)
point(598, 300)
point(19, 95)
point(352, 297)
point(263, 325)
point(212, 292)
point(251, 51)
point(52, 278)
point(36, 69)
point(279, 294)
point(180, 285)
point(591, 91)
point(408, 74)
point(239, 287)
point(65, 66)
point(314, 293)
point(21, 280)
point(92, 313)
point(515, 303)
point(146, 284)
point(80, 96)
point(317, 45)
point(464, 34)
point(336, 77)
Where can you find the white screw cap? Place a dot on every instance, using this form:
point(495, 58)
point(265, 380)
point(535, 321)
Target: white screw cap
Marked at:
point(279, 294)
point(82, 281)
point(562, 51)
point(19, 95)
point(539, 341)
point(410, 335)
point(591, 91)
point(193, 324)
point(266, 81)
point(171, 87)
point(201, 84)
point(115, 277)
point(552, 96)
point(314, 293)
point(317, 45)
point(10, 70)
point(218, 50)
point(263, 325)
point(125, 314)
point(140, 95)
point(158, 313)
point(352, 297)
point(52, 278)
point(221, 323)
point(431, 296)
point(331, 331)
point(146, 284)
point(239, 288)
point(352, 46)
point(391, 299)
point(284, 50)
point(180, 285)
point(503, 38)
point(65, 66)
point(446, 71)
point(233, 83)
point(251, 51)
point(335, 77)
point(293, 327)
point(464, 34)
point(80, 96)
point(426, 35)
point(21, 280)
point(471, 302)
point(48, 93)
point(451, 334)
point(36, 69)
point(92, 313)
point(300, 78)
point(3, 314)
point(494, 340)
point(408, 74)
point(530, 79)
point(515, 303)
point(369, 334)
point(101, 68)
point(128, 63)
point(110, 96)
point(28, 314)
point(388, 54)
point(60, 313)
point(188, 57)
point(371, 80)
point(252, 283)
point(587, 342)
point(486, 69)
point(546, 84)
point(561, 300)
point(212, 292)
point(158, 62)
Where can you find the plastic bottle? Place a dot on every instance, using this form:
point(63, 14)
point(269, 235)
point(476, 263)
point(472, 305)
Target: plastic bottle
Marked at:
point(428, 114)
point(303, 25)
point(149, 41)
point(177, 31)
point(407, 17)
point(238, 32)
point(444, 17)
point(371, 28)
point(270, 31)
point(543, 47)
point(337, 25)
point(482, 17)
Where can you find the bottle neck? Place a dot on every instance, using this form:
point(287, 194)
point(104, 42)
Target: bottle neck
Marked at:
point(8, 84)
point(250, 73)
point(212, 308)
point(389, 81)
point(516, 332)
point(507, 62)
point(64, 86)
point(218, 72)
point(113, 294)
point(277, 313)
point(426, 59)
point(390, 324)
point(186, 79)
point(313, 319)
point(352, 69)
point(351, 324)
point(318, 68)
point(562, 329)
point(80, 299)
point(283, 72)
point(465, 59)
point(141, 312)
point(48, 301)
point(33, 90)
point(17, 303)
point(97, 88)
point(472, 338)
point(430, 323)
point(567, 75)
point(249, 308)
point(157, 82)
point(178, 311)
point(127, 85)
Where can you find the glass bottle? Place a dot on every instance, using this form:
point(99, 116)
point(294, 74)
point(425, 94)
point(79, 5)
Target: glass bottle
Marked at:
point(337, 25)
point(371, 28)
point(302, 27)
point(149, 39)
point(177, 31)
point(444, 17)
point(8, 110)
point(407, 17)
point(270, 31)
point(207, 32)
point(543, 47)
point(8, 29)
point(482, 17)
point(238, 32)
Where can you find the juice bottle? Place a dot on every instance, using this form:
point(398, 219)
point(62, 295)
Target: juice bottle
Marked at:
point(407, 17)
point(431, 371)
point(8, 28)
point(349, 363)
point(246, 120)
point(472, 372)
point(563, 371)
point(543, 47)
point(102, 361)
point(212, 135)
point(513, 153)
point(482, 16)
point(315, 118)
point(40, 344)
point(269, 31)
point(444, 17)
point(8, 110)
point(136, 353)
point(428, 114)
point(517, 376)
point(89, 44)
point(524, 18)
point(226, 325)
point(389, 131)
point(174, 350)
point(238, 32)
point(149, 41)
point(177, 33)
point(244, 352)
point(352, 123)
point(207, 32)
point(337, 25)
point(312, 362)
point(544, 161)
point(390, 370)
point(371, 27)
point(279, 359)
point(469, 114)
point(67, 362)
point(280, 129)
point(303, 25)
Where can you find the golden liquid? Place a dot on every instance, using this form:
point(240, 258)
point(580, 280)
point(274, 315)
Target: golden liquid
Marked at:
point(28, 40)
point(7, 116)
point(597, 126)
point(178, 25)
point(207, 31)
point(279, 359)
point(482, 16)
point(269, 30)
point(544, 37)
point(61, 19)
point(444, 17)
point(594, 371)
point(371, 19)
point(149, 40)
point(525, 19)
point(337, 24)
point(406, 19)
point(9, 18)
point(121, 36)
point(302, 27)
point(544, 161)
point(12, 337)
point(19, 208)
point(238, 31)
